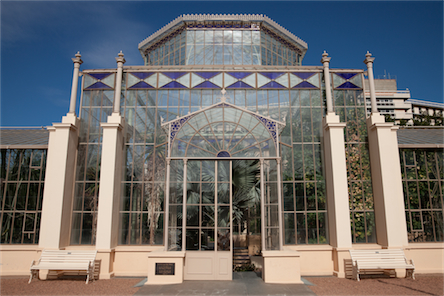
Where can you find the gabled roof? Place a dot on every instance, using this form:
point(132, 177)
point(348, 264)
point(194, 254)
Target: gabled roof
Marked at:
point(207, 18)
point(23, 138)
point(421, 137)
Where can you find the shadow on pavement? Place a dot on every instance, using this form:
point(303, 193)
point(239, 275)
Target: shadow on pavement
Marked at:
point(243, 283)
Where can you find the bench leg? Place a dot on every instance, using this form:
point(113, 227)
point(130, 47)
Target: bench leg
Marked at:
point(34, 274)
point(410, 273)
point(355, 273)
point(90, 274)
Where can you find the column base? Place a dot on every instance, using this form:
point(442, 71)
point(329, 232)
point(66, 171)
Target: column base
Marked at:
point(165, 268)
point(282, 267)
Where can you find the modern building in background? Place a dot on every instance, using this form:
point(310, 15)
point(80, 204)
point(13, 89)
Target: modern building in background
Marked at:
point(398, 105)
point(222, 142)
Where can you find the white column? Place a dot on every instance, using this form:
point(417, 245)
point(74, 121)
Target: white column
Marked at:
point(117, 92)
point(326, 62)
point(391, 227)
point(75, 82)
point(59, 178)
point(336, 180)
point(110, 185)
point(281, 228)
point(184, 206)
point(371, 82)
point(262, 206)
point(167, 204)
point(59, 184)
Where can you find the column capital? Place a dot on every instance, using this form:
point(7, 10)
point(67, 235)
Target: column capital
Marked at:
point(120, 59)
point(77, 60)
point(168, 161)
point(368, 59)
point(325, 59)
point(185, 162)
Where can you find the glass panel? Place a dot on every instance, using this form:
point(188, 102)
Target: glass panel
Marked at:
point(223, 239)
point(207, 240)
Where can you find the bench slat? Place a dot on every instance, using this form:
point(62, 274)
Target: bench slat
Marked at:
point(65, 260)
point(384, 259)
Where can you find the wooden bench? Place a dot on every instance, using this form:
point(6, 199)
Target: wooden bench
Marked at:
point(65, 260)
point(385, 259)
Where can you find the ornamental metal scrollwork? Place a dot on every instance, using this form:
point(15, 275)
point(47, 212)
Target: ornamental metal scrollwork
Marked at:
point(271, 127)
point(175, 127)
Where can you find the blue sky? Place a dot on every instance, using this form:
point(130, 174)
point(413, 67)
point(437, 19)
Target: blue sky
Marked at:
point(38, 40)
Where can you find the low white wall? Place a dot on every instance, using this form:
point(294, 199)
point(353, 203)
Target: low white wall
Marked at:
point(315, 260)
point(427, 257)
point(130, 261)
point(16, 260)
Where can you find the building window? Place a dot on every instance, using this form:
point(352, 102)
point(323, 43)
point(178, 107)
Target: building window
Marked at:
point(96, 107)
point(423, 184)
point(22, 180)
point(142, 201)
point(302, 110)
point(350, 106)
point(305, 215)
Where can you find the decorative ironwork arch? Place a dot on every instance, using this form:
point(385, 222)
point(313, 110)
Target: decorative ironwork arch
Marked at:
point(223, 130)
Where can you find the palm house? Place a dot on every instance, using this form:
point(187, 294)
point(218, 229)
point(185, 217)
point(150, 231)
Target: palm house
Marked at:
point(222, 149)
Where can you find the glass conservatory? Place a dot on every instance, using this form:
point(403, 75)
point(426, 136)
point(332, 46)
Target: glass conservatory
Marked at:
point(223, 146)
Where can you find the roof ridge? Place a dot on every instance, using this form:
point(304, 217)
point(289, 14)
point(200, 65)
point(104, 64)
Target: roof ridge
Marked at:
point(246, 17)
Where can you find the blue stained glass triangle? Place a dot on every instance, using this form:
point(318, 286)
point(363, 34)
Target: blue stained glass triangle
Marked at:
point(348, 85)
point(206, 84)
point(173, 84)
point(305, 84)
point(239, 75)
point(98, 85)
point(174, 75)
point(272, 75)
point(99, 76)
point(273, 84)
point(207, 75)
point(346, 75)
point(141, 84)
point(303, 75)
point(239, 84)
point(142, 75)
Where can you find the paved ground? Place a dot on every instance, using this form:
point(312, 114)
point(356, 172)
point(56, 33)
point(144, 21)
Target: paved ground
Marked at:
point(242, 284)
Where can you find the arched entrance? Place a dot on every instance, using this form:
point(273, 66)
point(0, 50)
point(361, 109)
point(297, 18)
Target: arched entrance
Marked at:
point(200, 205)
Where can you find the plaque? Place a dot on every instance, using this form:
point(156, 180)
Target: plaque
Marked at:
point(165, 268)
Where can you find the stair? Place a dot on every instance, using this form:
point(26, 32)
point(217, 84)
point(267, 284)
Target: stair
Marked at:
point(240, 256)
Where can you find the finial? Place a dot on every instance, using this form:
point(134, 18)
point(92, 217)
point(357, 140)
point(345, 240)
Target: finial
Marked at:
point(368, 58)
point(120, 59)
point(325, 58)
point(77, 60)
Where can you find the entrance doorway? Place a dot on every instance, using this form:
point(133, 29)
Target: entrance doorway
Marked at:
point(208, 223)
point(246, 212)
point(209, 201)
